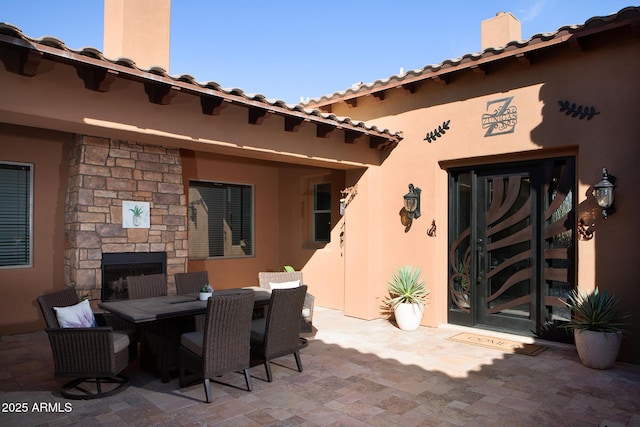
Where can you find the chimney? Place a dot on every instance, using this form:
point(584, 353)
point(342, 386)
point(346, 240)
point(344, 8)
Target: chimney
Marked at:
point(138, 30)
point(500, 30)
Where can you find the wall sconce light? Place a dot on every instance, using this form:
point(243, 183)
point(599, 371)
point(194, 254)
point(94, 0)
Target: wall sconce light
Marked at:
point(604, 193)
point(412, 202)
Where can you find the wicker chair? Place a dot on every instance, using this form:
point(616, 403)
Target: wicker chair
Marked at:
point(278, 334)
point(267, 277)
point(224, 345)
point(147, 286)
point(189, 283)
point(93, 356)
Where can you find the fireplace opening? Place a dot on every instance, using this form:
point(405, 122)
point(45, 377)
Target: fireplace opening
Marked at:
point(117, 266)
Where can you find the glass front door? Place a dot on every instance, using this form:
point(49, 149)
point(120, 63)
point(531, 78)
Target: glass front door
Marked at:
point(511, 244)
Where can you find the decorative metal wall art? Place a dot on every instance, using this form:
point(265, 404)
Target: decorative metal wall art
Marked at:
point(585, 232)
point(437, 133)
point(502, 118)
point(575, 110)
point(431, 232)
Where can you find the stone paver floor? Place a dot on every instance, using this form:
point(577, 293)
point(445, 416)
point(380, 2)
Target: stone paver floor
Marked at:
point(356, 373)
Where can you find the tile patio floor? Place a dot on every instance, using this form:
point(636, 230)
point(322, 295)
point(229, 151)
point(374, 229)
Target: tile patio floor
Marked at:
point(356, 373)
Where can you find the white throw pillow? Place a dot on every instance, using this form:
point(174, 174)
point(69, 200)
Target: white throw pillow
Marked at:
point(76, 316)
point(284, 285)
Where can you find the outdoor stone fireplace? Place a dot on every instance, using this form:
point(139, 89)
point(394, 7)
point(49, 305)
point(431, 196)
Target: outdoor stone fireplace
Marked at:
point(117, 267)
point(103, 173)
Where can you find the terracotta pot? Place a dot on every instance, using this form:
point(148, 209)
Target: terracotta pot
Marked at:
point(408, 316)
point(597, 350)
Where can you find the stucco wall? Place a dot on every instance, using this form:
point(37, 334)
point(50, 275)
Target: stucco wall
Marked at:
point(282, 217)
point(603, 75)
point(48, 152)
point(321, 263)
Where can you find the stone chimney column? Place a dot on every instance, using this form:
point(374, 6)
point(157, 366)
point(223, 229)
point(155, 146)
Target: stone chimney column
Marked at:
point(138, 30)
point(500, 30)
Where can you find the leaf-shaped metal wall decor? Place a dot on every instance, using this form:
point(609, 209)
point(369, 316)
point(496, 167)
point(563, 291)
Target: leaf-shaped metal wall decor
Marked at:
point(438, 132)
point(574, 110)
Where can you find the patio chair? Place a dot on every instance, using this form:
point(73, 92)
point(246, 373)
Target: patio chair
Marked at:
point(278, 334)
point(152, 335)
point(224, 345)
point(189, 283)
point(276, 279)
point(147, 286)
point(93, 356)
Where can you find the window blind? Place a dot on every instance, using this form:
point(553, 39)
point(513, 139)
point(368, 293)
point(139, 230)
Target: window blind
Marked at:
point(15, 215)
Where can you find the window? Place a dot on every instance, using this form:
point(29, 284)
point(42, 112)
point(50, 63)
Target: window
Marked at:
point(322, 212)
point(220, 220)
point(15, 215)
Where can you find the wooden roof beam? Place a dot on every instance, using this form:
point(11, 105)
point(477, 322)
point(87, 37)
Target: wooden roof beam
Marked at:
point(377, 142)
point(479, 70)
point(352, 102)
point(323, 130)
point(212, 105)
point(257, 115)
point(379, 96)
point(24, 61)
point(350, 137)
point(523, 59)
point(575, 44)
point(410, 87)
point(97, 79)
point(441, 80)
point(159, 93)
point(292, 124)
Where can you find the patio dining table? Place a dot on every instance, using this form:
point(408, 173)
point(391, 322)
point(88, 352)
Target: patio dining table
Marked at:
point(171, 314)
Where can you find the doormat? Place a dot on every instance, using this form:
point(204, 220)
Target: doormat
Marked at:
point(499, 344)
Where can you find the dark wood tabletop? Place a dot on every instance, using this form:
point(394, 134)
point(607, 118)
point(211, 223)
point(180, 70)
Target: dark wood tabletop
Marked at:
point(157, 308)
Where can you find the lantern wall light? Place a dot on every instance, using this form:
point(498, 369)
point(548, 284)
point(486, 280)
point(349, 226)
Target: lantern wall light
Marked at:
point(604, 193)
point(412, 202)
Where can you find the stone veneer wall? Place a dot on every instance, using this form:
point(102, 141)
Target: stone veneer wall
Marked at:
point(105, 172)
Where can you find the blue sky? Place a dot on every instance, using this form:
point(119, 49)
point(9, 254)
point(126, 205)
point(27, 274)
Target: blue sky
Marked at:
point(288, 49)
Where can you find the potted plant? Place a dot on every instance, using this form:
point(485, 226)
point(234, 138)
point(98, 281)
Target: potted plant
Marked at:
point(206, 292)
point(597, 324)
point(407, 297)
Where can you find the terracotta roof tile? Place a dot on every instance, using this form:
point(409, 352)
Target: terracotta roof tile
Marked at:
point(239, 96)
point(471, 58)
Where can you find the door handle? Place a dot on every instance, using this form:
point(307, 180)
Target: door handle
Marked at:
point(479, 262)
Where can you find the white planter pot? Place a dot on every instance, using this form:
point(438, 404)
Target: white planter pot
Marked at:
point(205, 295)
point(408, 316)
point(597, 350)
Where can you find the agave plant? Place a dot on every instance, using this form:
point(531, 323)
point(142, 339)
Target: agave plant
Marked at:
point(596, 311)
point(406, 287)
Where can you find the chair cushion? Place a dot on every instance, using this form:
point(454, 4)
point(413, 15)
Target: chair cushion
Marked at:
point(76, 316)
point(306, 312)
point(285, 285)
point(193, 341)
point(120, 341)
